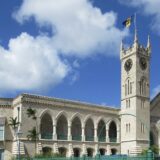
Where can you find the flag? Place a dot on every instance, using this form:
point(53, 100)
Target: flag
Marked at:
point(128, 21)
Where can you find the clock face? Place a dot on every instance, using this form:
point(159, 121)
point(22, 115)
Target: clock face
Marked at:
point(143, 63)
point(128, 65)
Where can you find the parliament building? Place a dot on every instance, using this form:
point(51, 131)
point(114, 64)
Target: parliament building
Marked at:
point(74, 128)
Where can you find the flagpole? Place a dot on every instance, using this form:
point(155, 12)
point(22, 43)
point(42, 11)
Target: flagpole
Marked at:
point(135, 28)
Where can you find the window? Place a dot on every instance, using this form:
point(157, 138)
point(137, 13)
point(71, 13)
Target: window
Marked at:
point(142, 128)
point(128, 103)
point(128, 127)
point(130, 87)
point(142, 85)
point(1, 132)
point(142, 104)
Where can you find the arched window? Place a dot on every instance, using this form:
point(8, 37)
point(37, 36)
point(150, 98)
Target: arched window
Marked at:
point(46, 127)
point(101, 133)
point(89, 130)
point(76, 129)
point(113, 132)
point(62, 151)
point(47, 151)
point(76, 152)
point(128, 87)
point(89, 152)
point(62, 128)
point(143, 86)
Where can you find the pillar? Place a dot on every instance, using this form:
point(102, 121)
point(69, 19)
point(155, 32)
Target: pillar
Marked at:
point(83, 134)
point(107, 134)
point(70, 150)
point(69, 132)
point(95, 135)
point(54, 131)
point(118, 135)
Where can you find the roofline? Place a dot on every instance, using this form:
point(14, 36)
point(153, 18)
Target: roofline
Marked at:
point(66, 100)
point(153, 99)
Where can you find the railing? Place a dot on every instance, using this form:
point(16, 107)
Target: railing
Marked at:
point(89, 138)
point(77, 138)
point(113, 140)
point(102, 139)
point(62, 137)
point(46, 135)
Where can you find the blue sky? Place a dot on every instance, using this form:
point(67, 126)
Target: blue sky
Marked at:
point(70, 49)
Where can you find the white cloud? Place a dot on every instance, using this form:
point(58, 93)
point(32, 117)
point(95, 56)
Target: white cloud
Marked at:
point(78, 29)
point(149, 7)
point(30, 63)
point(81, 29)
point(155, 91)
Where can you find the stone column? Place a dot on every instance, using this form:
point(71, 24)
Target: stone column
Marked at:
point(70, 150)
point(108, 150)
point(83, 134)
point(96, 149)
point(54, 131)
point(107, 134)
point(84, 151)
point(69, 132)
point(118, 136)
point(38, 127)
point(95, 135)
point(55, 148)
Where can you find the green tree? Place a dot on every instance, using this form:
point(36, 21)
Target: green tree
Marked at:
point(13, 122)
point(32, 135)
point(32, 114)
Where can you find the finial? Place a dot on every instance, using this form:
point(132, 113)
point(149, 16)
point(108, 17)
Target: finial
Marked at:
point(148, 42)
point(121, 47)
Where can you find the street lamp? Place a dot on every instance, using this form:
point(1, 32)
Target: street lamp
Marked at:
point(18, 133)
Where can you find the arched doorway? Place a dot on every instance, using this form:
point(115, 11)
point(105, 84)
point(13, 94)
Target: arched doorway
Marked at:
point(76, 152)
point(89, 152)
point(102, 151)
point(76, 129)
point(101, 133)
point(113, 151)
point(62, 128)
point(112, 132)
point(62, 151)
point(46, 127)
point(89, 130)
point(47, 151)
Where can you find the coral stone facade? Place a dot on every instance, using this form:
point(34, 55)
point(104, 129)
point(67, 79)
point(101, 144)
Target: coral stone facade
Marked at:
point(74, 128)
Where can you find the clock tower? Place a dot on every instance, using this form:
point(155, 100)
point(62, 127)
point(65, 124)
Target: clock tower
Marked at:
point(135, 97)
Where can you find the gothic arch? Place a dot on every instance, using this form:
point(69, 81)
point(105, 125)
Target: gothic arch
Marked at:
point(116, 121)
point(44, 112)
point(46, 126)
point(89, 116)
point(76, 115)
point(128, 86)
point(62, 126)
point(143, 85)
point(89, 129)
point(76, 128)
point(99, 119)
point(60, 114)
